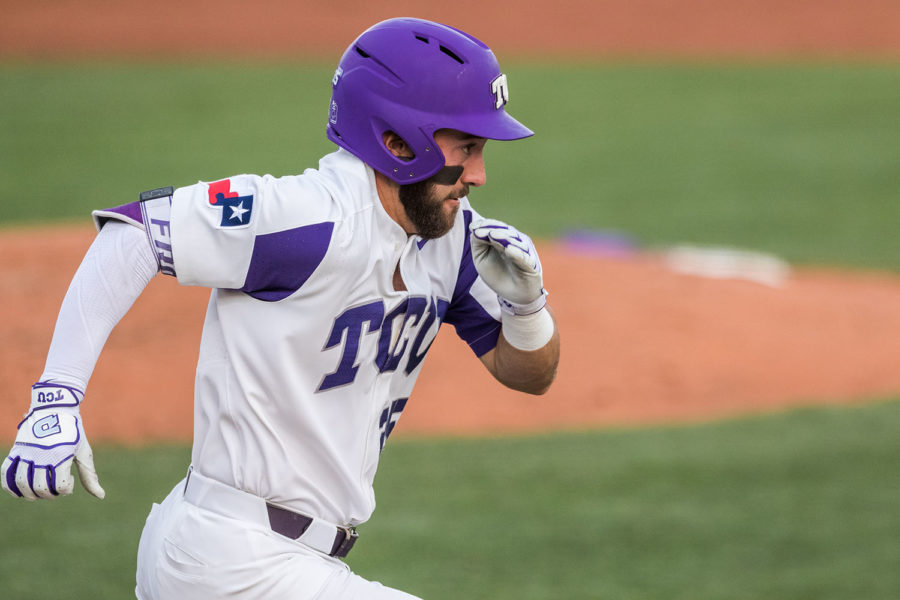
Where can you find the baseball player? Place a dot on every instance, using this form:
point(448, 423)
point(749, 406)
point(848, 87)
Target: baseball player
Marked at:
point(328, 289)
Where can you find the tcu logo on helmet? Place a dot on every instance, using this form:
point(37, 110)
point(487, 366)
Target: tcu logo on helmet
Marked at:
point(500, 89)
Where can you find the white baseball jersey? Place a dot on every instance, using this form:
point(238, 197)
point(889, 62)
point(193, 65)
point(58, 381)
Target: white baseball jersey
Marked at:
point(309, 354)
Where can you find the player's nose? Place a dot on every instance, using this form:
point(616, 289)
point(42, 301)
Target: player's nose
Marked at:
point(474, 173)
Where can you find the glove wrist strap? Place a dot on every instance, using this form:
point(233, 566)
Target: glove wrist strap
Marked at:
point(511, 308)
point(54, 395)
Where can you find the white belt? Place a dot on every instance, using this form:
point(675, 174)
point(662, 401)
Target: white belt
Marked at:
point(231, 502)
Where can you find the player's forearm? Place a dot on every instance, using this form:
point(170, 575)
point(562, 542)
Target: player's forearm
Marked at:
point(526, 370)
point(113, 273)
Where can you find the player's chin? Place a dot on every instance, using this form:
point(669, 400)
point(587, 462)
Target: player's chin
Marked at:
point(441, 223)
point(451, 205)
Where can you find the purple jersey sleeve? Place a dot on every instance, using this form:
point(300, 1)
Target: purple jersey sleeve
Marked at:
point(282, 261)
point(472, 320)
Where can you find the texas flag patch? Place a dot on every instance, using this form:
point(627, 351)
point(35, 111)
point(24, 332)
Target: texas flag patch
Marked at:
point(236, 209)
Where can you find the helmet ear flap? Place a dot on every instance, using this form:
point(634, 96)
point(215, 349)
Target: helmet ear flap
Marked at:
point(421, 157)
point(397, 146)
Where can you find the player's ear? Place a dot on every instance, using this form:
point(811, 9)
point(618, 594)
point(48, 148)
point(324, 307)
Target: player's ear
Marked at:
point(397, 146)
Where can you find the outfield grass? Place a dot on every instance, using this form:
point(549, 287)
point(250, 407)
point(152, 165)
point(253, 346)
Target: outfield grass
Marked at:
point(799, 160)
point(790, 506)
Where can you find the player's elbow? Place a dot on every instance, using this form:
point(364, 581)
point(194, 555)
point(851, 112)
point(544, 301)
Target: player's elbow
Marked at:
point(530, 372)
point(537, 384)
point(541, 387)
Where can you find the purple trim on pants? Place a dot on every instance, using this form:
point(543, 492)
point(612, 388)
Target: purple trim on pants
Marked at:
point(283, 261)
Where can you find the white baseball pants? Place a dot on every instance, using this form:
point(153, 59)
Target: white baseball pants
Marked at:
point(191, 553)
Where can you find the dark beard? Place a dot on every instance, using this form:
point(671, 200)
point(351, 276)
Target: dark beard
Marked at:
point(424, 210)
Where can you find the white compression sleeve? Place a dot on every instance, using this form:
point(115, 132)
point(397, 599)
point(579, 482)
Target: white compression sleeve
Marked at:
point(116, 269)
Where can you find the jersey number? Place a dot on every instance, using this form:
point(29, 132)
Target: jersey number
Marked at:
point(389, 417)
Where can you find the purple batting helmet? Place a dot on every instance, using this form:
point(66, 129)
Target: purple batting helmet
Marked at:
point(414, 77)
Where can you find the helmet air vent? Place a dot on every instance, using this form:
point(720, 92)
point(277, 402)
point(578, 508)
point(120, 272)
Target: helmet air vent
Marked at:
point(452, 54)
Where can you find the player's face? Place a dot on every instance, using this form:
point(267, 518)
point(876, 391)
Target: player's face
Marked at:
point(431, 205)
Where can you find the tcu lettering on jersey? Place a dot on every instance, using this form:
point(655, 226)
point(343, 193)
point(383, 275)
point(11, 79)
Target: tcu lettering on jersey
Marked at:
point(406, 331)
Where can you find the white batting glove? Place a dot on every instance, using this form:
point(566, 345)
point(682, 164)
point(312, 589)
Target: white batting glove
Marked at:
point(508, 262)
point(50, 439)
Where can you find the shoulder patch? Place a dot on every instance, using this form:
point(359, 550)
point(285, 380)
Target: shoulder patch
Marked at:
point(236, 209)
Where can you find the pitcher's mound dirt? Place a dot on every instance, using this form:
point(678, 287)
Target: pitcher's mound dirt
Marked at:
point(640, 344)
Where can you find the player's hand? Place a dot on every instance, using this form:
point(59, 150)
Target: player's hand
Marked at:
point(508, 262)
point(50, 439)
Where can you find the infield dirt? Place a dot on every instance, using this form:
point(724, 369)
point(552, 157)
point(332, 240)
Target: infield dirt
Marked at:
point(640, 342)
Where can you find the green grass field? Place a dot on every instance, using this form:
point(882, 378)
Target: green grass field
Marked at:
point(800, 505)
point(799, 160)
